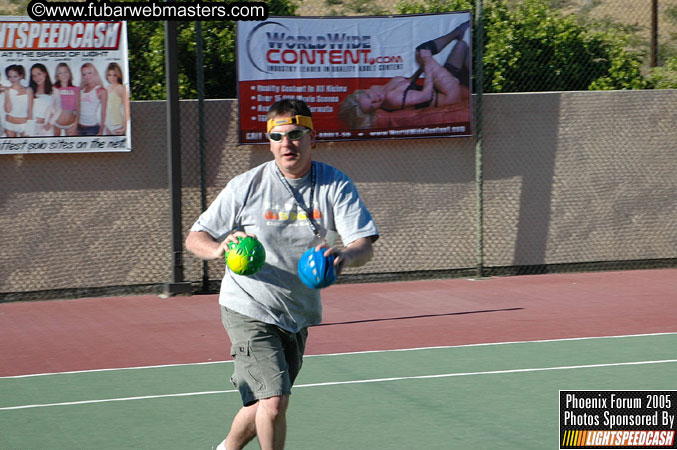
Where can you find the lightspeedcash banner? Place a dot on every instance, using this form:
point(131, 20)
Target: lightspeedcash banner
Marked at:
point(363, 77)
point(64, 86)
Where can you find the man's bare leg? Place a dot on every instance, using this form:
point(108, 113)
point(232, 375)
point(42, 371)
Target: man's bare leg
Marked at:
point(271, 422)
point(243, 428)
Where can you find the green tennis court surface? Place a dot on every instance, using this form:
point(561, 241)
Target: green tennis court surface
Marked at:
point(493, 396)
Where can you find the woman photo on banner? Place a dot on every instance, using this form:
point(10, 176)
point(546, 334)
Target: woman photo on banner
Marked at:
point(117, 110)
point(443, 85)
point(69, 101)
point(18, 102)
point(93, 98)
point(46, 102)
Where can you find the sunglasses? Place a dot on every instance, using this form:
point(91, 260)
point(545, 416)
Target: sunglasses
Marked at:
point(293, 135)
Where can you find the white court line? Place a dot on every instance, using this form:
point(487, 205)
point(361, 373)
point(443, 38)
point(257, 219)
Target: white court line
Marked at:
point(487, 344)
point(337, 383)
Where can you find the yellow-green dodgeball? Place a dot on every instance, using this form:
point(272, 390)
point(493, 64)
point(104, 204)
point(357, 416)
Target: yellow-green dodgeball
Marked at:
point(246, 257)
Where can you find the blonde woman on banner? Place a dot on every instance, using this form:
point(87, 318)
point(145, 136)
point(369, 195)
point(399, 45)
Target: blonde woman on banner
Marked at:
point(117, 109)
point(46, 102)
point(18, 102)
point(93, 98)
point(69, 101)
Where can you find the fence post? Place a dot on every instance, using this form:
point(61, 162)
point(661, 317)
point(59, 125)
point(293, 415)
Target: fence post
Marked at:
point(654, 33)
point(177, 285)
point(199, 71)
point(479, 173)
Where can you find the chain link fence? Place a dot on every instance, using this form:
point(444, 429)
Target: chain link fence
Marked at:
point(555, 45)
point(569, 180)
point(532, 221)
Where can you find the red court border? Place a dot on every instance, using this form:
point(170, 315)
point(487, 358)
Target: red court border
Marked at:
point(99, 333)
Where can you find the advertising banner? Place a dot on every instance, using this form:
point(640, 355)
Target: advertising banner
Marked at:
point(64, 87)
point(363, 77)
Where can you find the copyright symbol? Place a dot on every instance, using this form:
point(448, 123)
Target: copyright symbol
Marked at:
point(37, 9)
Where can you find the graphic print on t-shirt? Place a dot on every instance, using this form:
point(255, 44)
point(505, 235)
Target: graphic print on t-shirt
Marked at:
point(287, 214)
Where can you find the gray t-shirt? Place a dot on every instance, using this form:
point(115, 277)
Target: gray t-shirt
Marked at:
point(258, 203)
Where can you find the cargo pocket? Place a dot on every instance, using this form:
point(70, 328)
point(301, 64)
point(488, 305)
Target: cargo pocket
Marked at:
point(239, 350)
point(247, 372)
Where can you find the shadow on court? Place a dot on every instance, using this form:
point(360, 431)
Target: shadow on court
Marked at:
point(422, 316)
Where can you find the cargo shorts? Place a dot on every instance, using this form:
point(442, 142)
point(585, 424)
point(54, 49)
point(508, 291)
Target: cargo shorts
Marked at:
point(266, 358)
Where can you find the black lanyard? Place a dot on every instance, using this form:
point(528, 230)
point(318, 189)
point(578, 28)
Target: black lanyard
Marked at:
point(299, 200)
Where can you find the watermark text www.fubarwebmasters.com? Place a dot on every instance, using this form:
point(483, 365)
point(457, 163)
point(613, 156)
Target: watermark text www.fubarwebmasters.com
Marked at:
point(42, 10)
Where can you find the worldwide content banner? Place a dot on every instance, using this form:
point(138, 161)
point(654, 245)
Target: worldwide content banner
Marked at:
point(617, 419)
point(363, 78)
point(64, 87)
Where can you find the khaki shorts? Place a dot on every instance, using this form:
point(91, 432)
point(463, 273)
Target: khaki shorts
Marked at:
point(267, 358)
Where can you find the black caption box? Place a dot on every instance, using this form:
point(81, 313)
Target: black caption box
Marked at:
point(617, 419)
